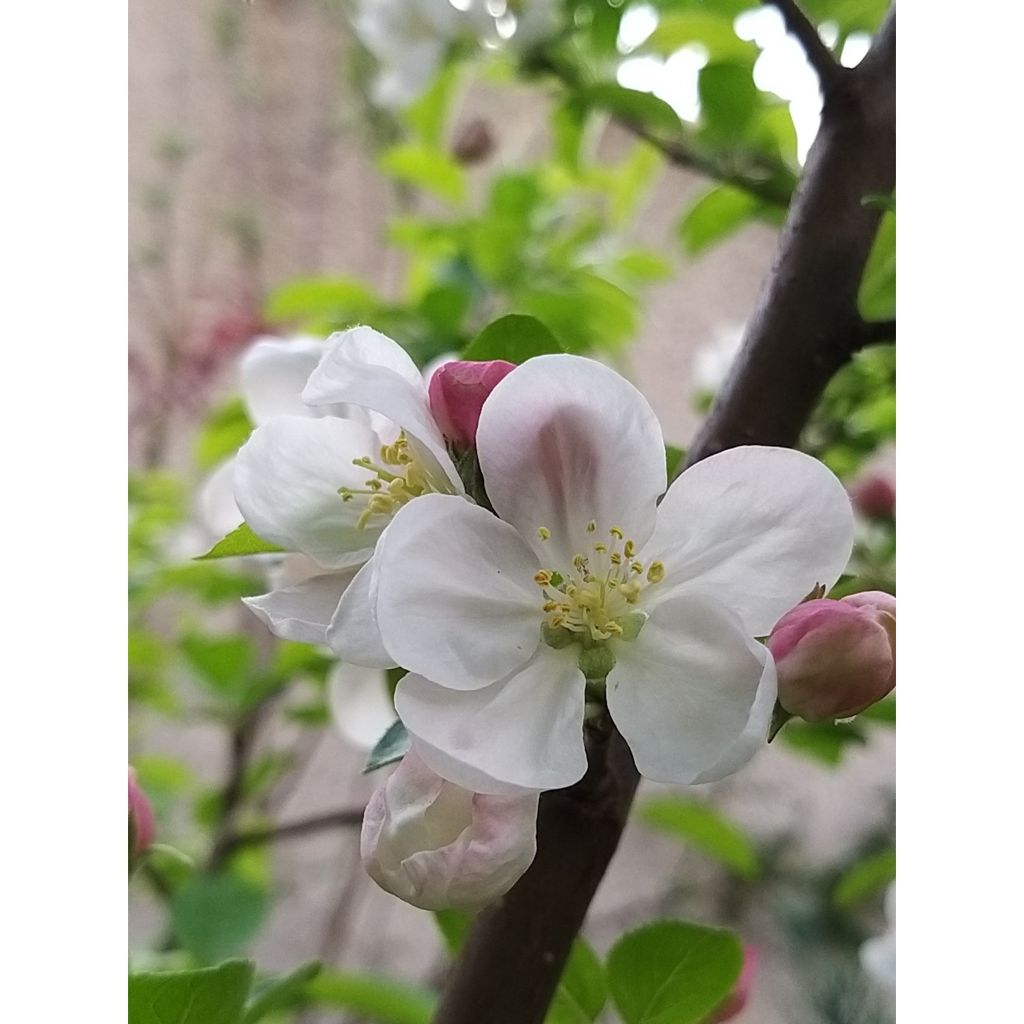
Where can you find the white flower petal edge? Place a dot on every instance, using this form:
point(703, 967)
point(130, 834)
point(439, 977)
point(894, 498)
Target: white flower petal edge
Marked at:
point(361, 707)
point(456, 600)
point(757, 527)
point(684, 694)
point(353, 633)
point(524, 732)
point(287, 477)
point(304, 611)
point(363, 367)
point(273, 372)
point(564, 440)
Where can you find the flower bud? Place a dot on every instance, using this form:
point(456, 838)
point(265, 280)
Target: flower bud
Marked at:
point(458, 391)
point(874, 496)
point(835, 658)
point(473, 142)
point(141, 825)
point(735, 1003)
point(437, 845)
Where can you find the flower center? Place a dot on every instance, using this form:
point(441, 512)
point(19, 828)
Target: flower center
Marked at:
point(396, 479)
point(597, 599)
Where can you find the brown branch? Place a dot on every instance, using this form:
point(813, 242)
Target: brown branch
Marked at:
point(878, 332)
point(335, 819)
point(830, 72)
point(806, 326)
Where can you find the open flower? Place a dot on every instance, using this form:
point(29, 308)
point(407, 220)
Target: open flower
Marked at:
point(327, 486)
point(586, 579)
point(436, 845)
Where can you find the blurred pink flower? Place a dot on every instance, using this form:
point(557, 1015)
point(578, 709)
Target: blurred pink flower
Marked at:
point(141, 824)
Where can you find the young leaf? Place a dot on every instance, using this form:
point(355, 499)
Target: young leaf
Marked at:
point(240, 541)
point(391, 747)
point(514, 338)
point(702, 826)
point(211, 995)
point(673, 972)
point(877, 297)
point(865, 877)
point(279, 993)
point(642, 108)
point(823, 741)
point(582, 991)
point(215, 917)
point(430, 170)
point(454, 927)
point(374, 998)
point(720, 212)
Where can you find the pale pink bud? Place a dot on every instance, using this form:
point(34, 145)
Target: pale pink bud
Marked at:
point(437, 845)
point(741, 993)
point(874, 495)
point(458, 391)
point(835, 658)
point(141, 825)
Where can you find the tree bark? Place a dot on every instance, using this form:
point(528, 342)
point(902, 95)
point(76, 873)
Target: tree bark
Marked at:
point(806, 326)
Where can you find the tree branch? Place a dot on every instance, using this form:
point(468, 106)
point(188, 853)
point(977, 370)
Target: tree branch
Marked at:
point(878, 332)
point(335, 819)
point(830, 72)
point(806, 327)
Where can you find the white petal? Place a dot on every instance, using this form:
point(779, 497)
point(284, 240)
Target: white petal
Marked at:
point(456, 600)
point(757, 527)
point(524, 732)
point(287, 477)
point(363, 367)
point(273, 372)
point(353, 634)
point(684, 692)
point(361, 707)
point(564, 440)
point(216, 508)
point(302, 612)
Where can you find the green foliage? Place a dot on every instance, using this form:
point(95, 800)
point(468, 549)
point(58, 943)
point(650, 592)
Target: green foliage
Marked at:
point(428, 169)
point(279, 993)
point(877, 297)
point(240, 541)
point(713, 30)
point(673, 972)
point(866, 877)
point(514, 338)
point(225, 430)
point(719, 213)
point(454, 927)
point(217, 916)
point(674, 460)
point(826, 742)
point(313, 301)
point(631, 105)
point(700, 825)
point(214, 995)
point(372, 997)
point(582, 990)
point(728, 99)
point(391, 747)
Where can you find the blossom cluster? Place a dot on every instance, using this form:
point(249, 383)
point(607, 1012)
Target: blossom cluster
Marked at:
point(508, 537)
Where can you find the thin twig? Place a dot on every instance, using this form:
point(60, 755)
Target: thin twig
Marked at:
point(821, 58)
point(347, 818)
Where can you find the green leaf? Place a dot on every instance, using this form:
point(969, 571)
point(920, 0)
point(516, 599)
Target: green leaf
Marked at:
point(703, 827)
point(226, 429)
point(720, 212)
point(631, 105)
point(427, 115)
point(582, 991)
point(644, 266)
point(514, 338)
point(213, 995)
point(222, 663)
point(884, 711)
point(215, 917)
point(877, 297)
point(673, 972)
point(377, 999)
point(674, 460)
point(280, 993)
point(240, 541)
point(728, 99)
point(713, 31)
point(391, 747)
point(865, 877)
point(823, 741)
point(320, 298)
point(427, 169)
point(454, 927)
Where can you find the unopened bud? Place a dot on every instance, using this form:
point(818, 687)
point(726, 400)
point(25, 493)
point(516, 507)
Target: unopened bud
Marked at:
point(835, 658)
point(141, 824)
point(741, 993)
point(437, 845)
point(473, 142)
point(458, 391)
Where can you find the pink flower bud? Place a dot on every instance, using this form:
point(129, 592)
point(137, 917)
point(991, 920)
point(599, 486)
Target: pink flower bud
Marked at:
point(874, 496)
point(458, 391)
point(835, 658)
point(741, 993)
point(141, 825)
point(436, 845)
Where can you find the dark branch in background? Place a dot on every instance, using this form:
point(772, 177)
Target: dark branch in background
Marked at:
point(805, 328)
point(878, 332)
point(335, 819)
point(830, 72)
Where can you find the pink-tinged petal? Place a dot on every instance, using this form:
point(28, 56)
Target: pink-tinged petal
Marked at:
point(758, 527)
point(304, 611)
point(685, 692)
point(287, 477)
point(273, 372)
point(456, 600)
point(524, 732)
point(363, 367)
point(353, 633)
point(563, 440)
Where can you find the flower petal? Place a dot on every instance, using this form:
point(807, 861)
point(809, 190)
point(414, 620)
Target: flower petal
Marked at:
point(273, 372)
point(524, 732)
point(353, 634)
point(216, 508)
point(302, 612)
point(363, 367)
point(758, 527)
point(564, 440)
point(287, 477)
point(456, 601)
point(361, 707)
point(684, 693)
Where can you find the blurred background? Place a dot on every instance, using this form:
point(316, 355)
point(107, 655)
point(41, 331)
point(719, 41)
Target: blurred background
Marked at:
point(297, 166)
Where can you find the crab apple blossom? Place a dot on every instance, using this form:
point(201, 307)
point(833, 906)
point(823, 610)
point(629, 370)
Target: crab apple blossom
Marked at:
point(582, 582)
point(437, 845)
point(835, 658)
point(141, 823)
point(457, 393)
